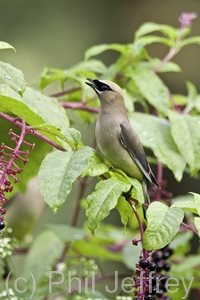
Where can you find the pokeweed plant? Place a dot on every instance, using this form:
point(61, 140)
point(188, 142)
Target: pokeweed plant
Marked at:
point(167, 124)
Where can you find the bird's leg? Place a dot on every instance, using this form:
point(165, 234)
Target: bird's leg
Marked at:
point(127, 195)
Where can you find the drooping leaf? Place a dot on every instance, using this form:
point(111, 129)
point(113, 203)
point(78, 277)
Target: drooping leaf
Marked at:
point(185, 130)
point(13, 77)
point(4, 45)
point(57, 173)
point(103, 199)
point(155, 133)
point(160, 231)
point(189, 41)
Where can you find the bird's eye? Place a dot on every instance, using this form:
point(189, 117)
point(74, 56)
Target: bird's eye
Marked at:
point(104, 87)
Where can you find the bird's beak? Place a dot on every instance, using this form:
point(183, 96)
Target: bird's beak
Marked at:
point(92, 84)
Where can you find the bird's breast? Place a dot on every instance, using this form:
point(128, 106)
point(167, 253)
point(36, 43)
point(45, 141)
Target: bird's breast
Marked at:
point(107, 136)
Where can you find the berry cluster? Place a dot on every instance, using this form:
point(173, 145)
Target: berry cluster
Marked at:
point(150, 283)
point(9, 169)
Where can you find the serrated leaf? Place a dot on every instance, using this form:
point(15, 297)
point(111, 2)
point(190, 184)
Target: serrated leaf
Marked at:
point(102, 200)
point(57, 173)
point(160, 231)
point(186, 203)
point(67, 233)
point(96, 166)
point(155, 133)
point(152, 88)
point(13, 77)
point(197, 202)
point(197, 224)
point(124, 210)
point(185, 130)
point(43, 251)
point(4, 45)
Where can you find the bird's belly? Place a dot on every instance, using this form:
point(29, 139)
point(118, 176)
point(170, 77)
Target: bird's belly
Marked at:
point(112, 149)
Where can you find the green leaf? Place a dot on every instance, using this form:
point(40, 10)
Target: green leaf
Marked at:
point(185, 130)
point(197, 202)
point(13, 77)
point(4, 45)
point(155, 133)
point(160, 231)
point(43, 252)
point(92, 249)
point(96, 166)
point(197, 224)
point(152, 88)
point(67, 233)
point(103, 199)
point(98, 49)
point(189, 41)
point(53, 133)
point(20, 109)
point(186, 203)
point(124, 210)
point(57, 173)
point(168, 67)
point(150, 39)
point(46, 107)
point(151, 27)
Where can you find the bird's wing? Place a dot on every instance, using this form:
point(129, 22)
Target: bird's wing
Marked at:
point(131, 142)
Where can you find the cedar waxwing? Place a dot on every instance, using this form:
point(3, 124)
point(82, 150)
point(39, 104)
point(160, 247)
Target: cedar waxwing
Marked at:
point(116, 138)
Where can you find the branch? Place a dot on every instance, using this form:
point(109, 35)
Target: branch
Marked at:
point(31, 130)
point(79, 105)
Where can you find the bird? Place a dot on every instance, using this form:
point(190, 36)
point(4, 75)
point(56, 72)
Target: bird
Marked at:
point(116, 138)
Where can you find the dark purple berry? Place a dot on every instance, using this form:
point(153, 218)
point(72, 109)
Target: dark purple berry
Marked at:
point(157, 255)
point(152, 266)
point(166, 255)
point(159, 266)
point(2, 225)
point(171, 251)
point(167, 267)
point(152, 290)
point(164, 278)
point(167, 298)
point(148, 297)
point(154, 280)
point(160, 293)
point(143, 263)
